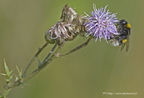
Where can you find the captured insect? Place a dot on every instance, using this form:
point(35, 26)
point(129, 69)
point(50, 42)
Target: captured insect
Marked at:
point(123, 28)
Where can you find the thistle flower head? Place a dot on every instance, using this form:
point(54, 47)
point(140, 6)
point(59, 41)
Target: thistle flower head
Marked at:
point(101, 23)
point(67, 28)
point(61, 31)
point(68, 14)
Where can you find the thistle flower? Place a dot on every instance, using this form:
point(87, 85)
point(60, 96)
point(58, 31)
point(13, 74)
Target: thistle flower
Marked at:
point(101, 23)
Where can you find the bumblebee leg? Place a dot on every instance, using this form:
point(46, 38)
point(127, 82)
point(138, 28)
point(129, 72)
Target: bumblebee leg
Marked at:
point(122, 47)
point(127, 48)
point(75, 49)
point(127, 45)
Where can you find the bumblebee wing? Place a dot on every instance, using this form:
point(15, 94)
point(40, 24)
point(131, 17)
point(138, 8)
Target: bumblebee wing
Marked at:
point(127, 45)
point(123, 45)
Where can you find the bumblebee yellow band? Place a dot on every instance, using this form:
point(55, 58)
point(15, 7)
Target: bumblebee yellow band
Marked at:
point(128, 25)
point(124, 40)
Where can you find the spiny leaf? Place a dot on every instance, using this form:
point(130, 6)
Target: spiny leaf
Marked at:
point(7, 80)
point(5, 93)
point(2, 97)
point(2, 74)
point(19, 72)
point(18, 69)
point(8, 72)
point(6, 67)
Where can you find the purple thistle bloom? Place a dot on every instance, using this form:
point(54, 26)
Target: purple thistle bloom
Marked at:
point(101, 24)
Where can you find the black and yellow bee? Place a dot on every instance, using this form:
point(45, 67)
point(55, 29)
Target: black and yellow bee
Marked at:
point(124, 28)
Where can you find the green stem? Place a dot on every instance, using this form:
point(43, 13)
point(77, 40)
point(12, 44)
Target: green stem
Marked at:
point(32, 60)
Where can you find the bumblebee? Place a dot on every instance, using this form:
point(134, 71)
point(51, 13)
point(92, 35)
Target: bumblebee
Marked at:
point(123, 27)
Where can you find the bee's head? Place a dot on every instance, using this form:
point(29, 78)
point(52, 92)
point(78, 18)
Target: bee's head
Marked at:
point(123, 22)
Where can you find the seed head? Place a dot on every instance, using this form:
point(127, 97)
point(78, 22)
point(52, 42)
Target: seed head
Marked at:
point(61, 31)
point(67, 28)
point(68, 14)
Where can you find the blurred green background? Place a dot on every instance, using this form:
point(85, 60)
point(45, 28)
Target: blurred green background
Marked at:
point(87, 73)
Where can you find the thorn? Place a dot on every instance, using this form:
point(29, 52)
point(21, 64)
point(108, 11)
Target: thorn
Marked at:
point(39, 48)
point(26, 84)
point(16, 78)
point(64, 58)
point(57, 55)
point(39, 63)
point(2, 74)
